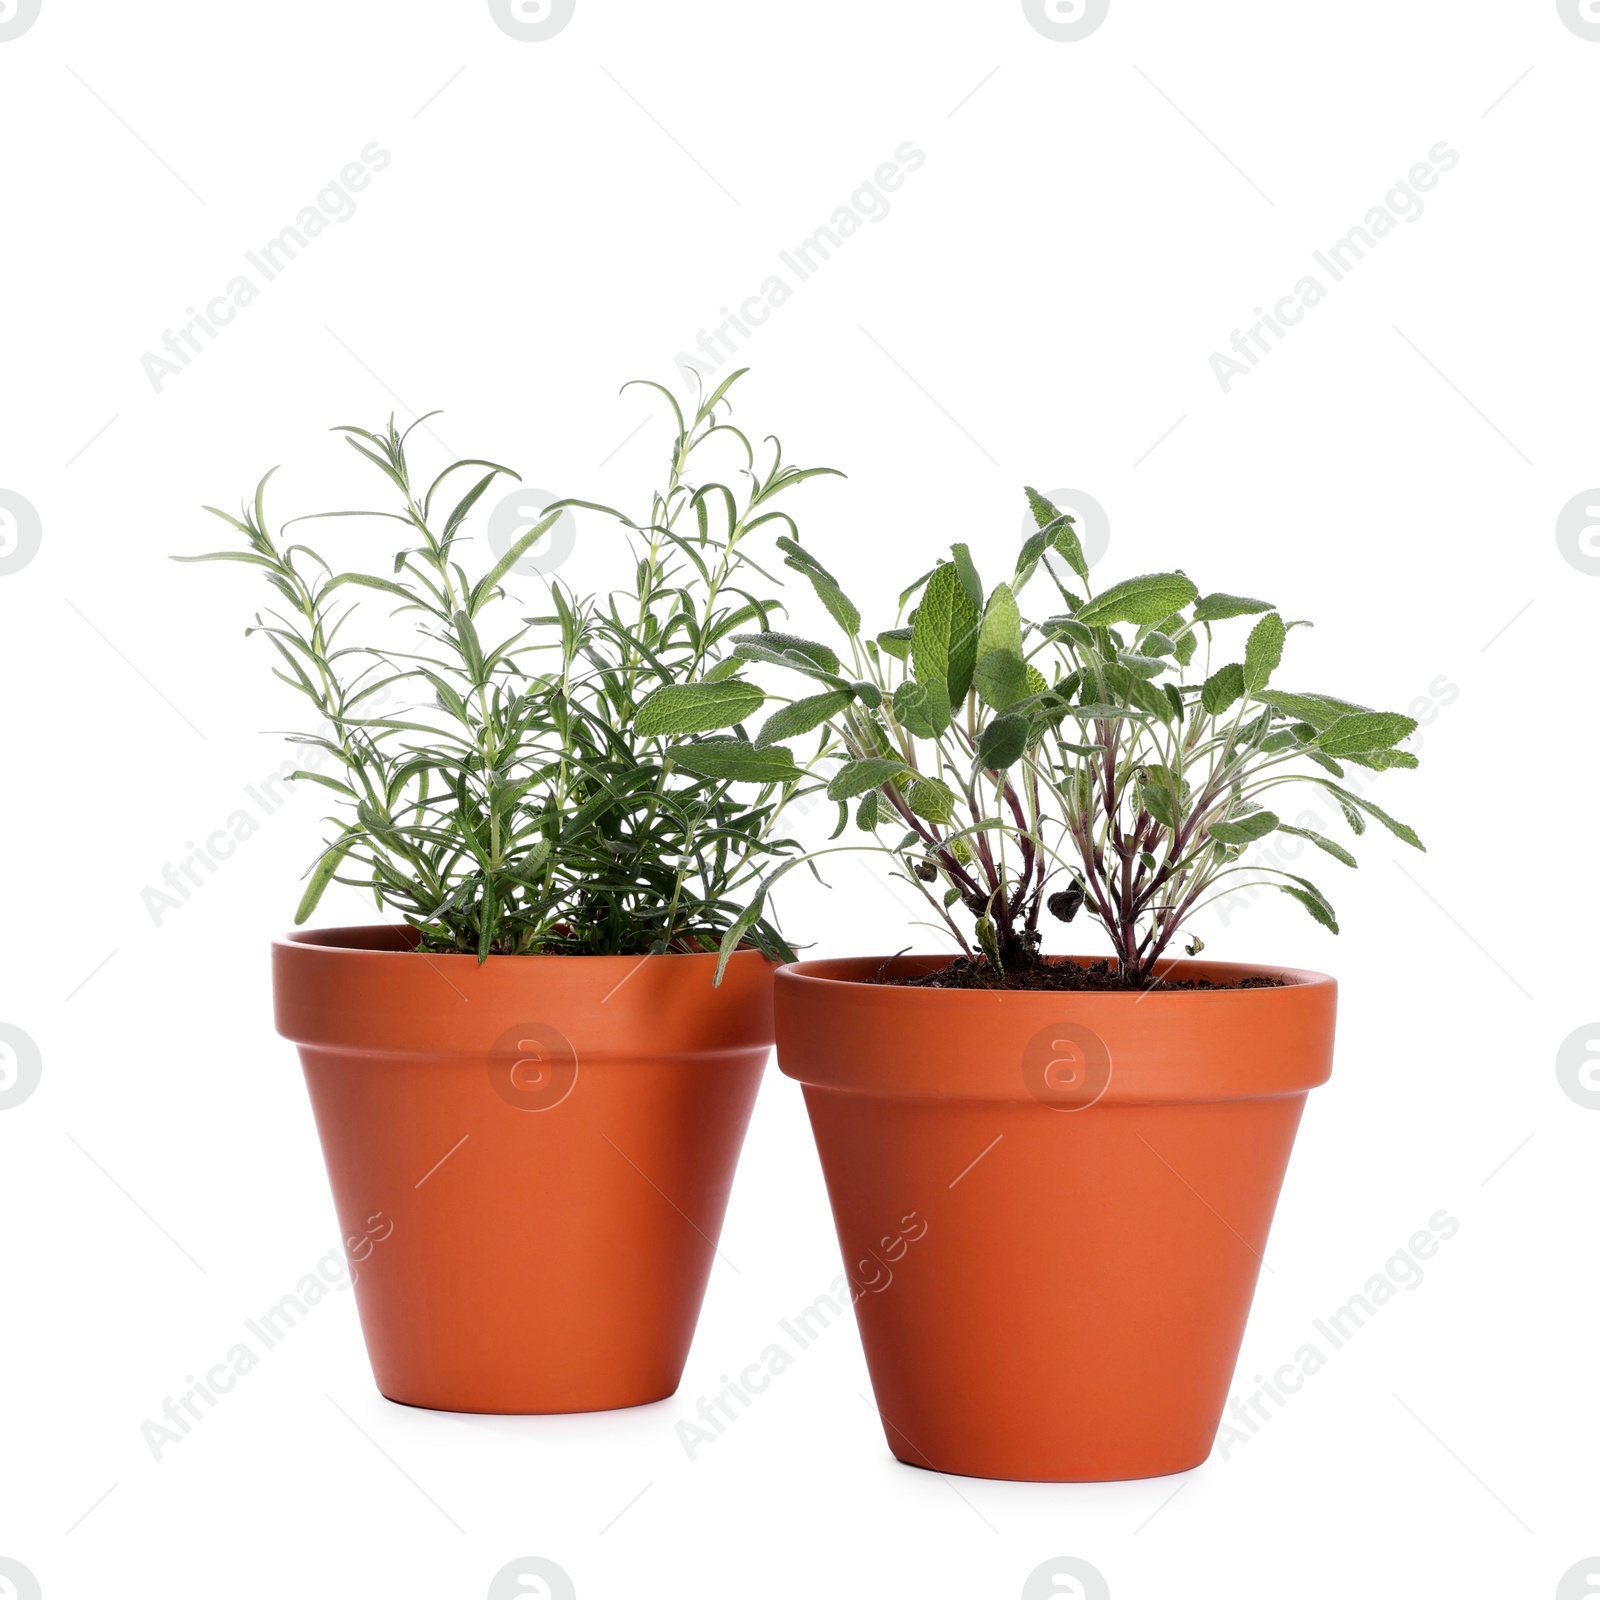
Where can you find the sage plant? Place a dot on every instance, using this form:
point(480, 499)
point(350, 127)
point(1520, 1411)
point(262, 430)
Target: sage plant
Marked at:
point(1113, 756)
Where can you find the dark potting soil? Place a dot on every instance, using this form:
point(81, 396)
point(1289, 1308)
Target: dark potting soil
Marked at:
point(972, 972)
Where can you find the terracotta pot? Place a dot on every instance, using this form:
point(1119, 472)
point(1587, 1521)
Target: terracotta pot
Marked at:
point(1091, 1178)
point(530, 1159)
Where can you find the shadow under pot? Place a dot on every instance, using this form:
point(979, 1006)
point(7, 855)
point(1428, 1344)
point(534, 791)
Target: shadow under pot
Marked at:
point(1092, 1175)
point(530, 1159)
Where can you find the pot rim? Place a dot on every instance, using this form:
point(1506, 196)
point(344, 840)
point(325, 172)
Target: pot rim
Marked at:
point(828, 971)
point(391, 939)
point(839, 1034)
point(365, 990)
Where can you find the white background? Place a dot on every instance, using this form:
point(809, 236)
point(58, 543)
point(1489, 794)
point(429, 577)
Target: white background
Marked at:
point(1039, 305)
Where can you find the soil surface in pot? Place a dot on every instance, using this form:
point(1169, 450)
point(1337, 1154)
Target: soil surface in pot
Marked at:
point(973, 972)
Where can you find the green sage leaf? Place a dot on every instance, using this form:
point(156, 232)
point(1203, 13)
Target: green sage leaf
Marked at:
point(856, 777)
point(1263, 651)
point(776, 645)
point(922, 708)
point(931, 799)
point(1337, 851)
point(677, 708)
point(1002, 742)
point(1314, 902)
point(1139, 600)
point(944, 636)
point(801, 716)
point(1219, 607)
point(737, 761)
point(1001, 678)
point(1243, 830)
point(1359, 732)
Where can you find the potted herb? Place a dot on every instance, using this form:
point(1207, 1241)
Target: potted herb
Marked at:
point(1096, 1146)
point(525, 1064)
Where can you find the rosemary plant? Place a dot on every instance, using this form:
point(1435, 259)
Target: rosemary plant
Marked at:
point(538, 794)
point(1111, 757)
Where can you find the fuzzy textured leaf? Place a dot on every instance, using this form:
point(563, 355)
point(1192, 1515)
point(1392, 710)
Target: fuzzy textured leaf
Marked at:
point(922, 708)
point(896, 642)
point(777, 644)
point(856, 777)
point(801, 716)
point(1001, 628)
point(1320, 710)
point(1001, 678)
point(1337, 851)
point(1002, 742)
point(1219, 607)
point(838, 604)
point(1399, 829)
point(944, 637)
point(1263, 651)
point(1383, 760)
point(677, 708)
point(1243, 830)
point(1140, 600)
point(1043, 512)
point(1137, 691)
point(1359, 732)
point(1066, 538)
point(1314, 902)
point(737, 761)
point(961, 558)
point(931, 799)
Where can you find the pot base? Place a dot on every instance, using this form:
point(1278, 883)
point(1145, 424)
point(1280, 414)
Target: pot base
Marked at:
point(430, 1400)
point(1085, 1476)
